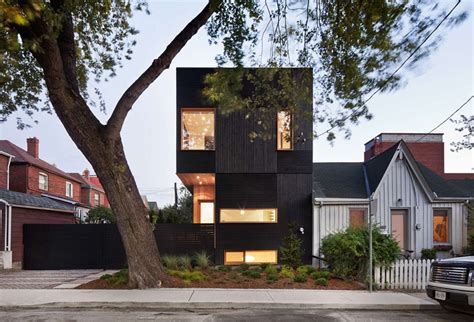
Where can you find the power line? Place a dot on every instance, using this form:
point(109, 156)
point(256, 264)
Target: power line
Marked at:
point(393, 74)
point(457, 110)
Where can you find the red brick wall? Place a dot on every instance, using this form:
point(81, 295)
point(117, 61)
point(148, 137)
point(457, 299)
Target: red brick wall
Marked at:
point(85, 192)
point(102, 199)
point(3, 171)
point(21, 216)
point(56, 184)
point(18, 177)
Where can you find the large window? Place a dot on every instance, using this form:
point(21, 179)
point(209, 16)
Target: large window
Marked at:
point(43, 181)
point(357, 217)
point(264, 215)
point(69, 189)
point(250, 257)
point(197, 129)
point(440, 226)
point(284, 131)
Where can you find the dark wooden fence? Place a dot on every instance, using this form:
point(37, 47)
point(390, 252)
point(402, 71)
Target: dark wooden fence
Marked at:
point(100, 246)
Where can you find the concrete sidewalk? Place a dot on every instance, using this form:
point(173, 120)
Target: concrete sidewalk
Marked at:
point(214, 298)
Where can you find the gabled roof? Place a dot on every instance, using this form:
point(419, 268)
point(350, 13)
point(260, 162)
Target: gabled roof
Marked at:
point(339, 180)
point(84, 182)
point(377, 166)
point(21, 156)
point(447, 188)
point(24, 199)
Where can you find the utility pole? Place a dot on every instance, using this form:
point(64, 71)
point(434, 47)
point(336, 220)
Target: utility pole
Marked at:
point(371, 199)
point(175, 196)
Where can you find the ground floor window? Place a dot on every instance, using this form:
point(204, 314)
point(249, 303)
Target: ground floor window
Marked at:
point(440, 226)
point(357, 217)
point(263, 215)
point(250, 257)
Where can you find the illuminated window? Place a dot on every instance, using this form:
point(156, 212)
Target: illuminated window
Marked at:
point(357, 217)
point(197, 129)
point(69, 189)
point(43, 181)
point(249, 215)
point(284, 131)
point(250, 257)
point(440, 226)
point(96, 199)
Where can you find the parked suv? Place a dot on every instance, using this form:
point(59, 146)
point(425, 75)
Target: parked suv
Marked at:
point(451, 283)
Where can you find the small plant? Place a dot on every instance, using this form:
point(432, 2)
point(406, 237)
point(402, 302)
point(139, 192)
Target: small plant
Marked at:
point(170, 262)
point(321, 274)
point(287, 272)
point(119, 278)
point(291, 249)
point(271, 270)
point(428, 253)
point(306, 269)
point(234, 275)
point(254, 274)
point(202, 259)
point(224, 268)
point(272, 277)
point(184, 262)
point(300, 278)
point(106, 277)
point(321, 281)
point(264, 266)
point(195, 276)
point(243, 267)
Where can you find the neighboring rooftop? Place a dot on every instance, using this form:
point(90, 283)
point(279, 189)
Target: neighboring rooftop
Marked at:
point(85, 183)
point(24, 199)
point(339, 180)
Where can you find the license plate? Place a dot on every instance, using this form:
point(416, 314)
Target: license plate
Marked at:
point(440, 295)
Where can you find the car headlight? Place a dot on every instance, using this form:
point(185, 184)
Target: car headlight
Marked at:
point(431, 273)
point(469, 280)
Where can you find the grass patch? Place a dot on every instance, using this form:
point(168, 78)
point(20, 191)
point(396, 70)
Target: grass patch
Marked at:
point(170, 262)
point(202, 259)
point(185, 262)
point(119, 278)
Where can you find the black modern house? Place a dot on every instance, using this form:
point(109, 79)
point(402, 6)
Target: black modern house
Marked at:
point(249, 190)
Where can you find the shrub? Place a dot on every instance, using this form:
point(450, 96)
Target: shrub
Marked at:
point(264, 266)
point(347, 252)
point(243, 267)
point(321, 274)
point(271, 270)
point(106, 277)
point(306, 269)
point(202, 259)
point(170, 261)
point(272, 277)
point(121, 277)
point(100, 215)
point(300, 278)
point(428, 253)
point(195, 276)
point(291, 249)
point(224, 268)
point(287, 272)
point(321, 281)
point(254, 274)
point(184, 262)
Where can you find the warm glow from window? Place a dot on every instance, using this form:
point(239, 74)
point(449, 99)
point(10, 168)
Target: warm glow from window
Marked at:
point(440, 226)
point(197, 129)
point(250, 257)
point(284, 131)
point(248, 215)
point(357, 217)
point(207, 212)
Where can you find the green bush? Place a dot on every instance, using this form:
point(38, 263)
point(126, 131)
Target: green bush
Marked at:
point(306, 269)
point(202, 259)
point(428, 253)
point(321, 274)
point(224, 268)
point(264, 266)
point(291, 249)
point(194, 276)
point(254, 274)
point(321, 281)
point(271, 270)
point(100, 215)
point(347, 252)
point(300, 278)
point(287, 272)
point(170, 261)
point(185, 262)
point(272, 277)
point(243, 267)
point(106, 277)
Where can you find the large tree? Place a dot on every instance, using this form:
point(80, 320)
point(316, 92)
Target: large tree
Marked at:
point(53, 55)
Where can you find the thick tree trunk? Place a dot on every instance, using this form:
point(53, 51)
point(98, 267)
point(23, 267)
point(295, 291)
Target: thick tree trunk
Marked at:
point(145, 268)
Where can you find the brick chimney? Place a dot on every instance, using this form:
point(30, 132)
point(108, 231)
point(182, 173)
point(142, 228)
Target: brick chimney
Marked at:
point(33, 147)
point(86, 174)
point(426, 148)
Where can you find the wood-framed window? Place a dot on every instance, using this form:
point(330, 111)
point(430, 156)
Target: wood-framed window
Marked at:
point(357, 217)
point(69, 189)
point(284, 131)
point(198, 129)
point(236, 257)
point(96, 199)
point(43, 181)
point(441, 226)
point(254, 215)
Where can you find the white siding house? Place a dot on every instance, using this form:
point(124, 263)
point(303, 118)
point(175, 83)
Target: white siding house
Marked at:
point(419, 208)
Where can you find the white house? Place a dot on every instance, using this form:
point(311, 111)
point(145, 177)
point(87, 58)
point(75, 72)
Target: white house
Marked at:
point(414, 204)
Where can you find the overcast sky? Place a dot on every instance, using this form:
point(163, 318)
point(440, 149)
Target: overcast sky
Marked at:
point(432, 93)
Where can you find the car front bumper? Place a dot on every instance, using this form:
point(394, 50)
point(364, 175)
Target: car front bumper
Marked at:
point(456, 296)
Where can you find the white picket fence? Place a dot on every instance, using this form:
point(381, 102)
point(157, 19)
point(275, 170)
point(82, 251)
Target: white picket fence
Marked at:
point(404, 274)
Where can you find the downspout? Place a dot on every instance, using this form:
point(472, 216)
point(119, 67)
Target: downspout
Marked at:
point(8, 172)
point(8, 226)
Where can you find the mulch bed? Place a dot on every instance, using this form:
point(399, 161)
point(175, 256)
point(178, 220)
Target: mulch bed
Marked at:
point(217, 279)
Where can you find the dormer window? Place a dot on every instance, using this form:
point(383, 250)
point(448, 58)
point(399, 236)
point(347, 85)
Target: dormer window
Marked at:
point(284, 131)
point(69, 189)
point(197, 129)
point(43, 181)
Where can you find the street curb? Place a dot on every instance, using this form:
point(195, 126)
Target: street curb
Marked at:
point(223, 305)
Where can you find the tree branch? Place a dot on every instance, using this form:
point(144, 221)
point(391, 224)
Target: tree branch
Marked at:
point(124, 105)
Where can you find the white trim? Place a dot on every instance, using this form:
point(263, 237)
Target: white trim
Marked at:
point(47, 181)
point(7, 245)
point(340, 201)
point(69, 184)
point(72, 202)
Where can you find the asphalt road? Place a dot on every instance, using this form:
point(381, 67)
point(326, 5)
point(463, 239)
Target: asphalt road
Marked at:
point(227, 315)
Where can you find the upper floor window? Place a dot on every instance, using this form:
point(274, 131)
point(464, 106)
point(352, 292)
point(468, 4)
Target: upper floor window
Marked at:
point(263, 215)
point(43, 181)
point(440, 226)
point(96, 199)
point(284, 131)
point(69, 189)
point(197, 129)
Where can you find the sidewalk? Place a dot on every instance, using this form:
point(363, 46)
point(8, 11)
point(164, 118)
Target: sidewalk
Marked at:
point(214, 298)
